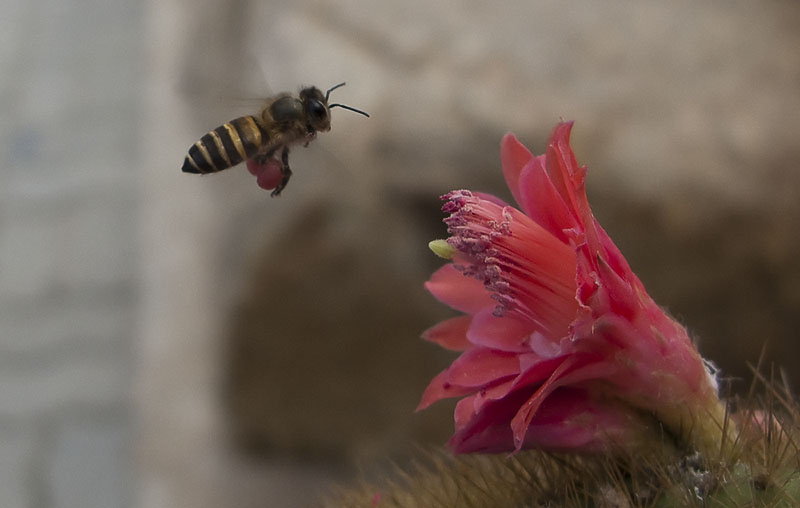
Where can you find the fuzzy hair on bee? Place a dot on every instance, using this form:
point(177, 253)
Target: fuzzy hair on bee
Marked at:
point(266, 138)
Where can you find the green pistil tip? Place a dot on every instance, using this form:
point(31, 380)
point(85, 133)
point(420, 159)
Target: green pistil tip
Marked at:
point(442, 249)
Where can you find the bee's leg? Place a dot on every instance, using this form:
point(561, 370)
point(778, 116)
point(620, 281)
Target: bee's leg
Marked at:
point(285, 170)
point(263, 157)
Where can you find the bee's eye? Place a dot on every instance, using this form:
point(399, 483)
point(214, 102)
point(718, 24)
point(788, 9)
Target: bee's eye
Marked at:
point(317, 110)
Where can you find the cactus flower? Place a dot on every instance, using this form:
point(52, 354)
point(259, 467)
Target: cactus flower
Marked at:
point(561, 347)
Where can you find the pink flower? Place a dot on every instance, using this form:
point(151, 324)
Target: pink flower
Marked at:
point(561, 346)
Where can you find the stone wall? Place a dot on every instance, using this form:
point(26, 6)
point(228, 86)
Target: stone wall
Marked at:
point(70, 123)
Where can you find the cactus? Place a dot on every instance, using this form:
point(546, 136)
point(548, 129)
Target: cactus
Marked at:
point(760, 469)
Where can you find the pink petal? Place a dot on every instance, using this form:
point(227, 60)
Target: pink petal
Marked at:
point(480, 366)
point(562, 164)
point(542, 202)
point(440, 388)
point(521, 421)
point(464, 412)
point(545, 346)
point(535, 369)
point(503, 333)
point(530, 377)
point(574, 369)
point(469, 372)
point(452, 288)
point(450, 334)
point(570, 420)
point(492, 393)
point(609, 251)
point(555, 427)
point(622, 299)
point(513, 156)
point(487, 430)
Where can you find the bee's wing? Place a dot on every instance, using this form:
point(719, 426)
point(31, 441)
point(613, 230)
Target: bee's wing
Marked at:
point(238, 89)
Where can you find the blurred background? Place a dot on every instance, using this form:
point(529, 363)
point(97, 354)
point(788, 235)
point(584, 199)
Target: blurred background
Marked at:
point(169, 340)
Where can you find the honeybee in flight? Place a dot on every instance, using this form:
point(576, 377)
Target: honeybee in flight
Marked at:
point(264, 140)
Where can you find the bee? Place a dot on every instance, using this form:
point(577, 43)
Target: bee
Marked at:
point(285, 121)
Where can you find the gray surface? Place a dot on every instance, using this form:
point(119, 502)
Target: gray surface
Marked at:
point(69, 95)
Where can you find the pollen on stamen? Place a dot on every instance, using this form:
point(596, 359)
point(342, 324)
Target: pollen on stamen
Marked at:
point(500, 295)
point(475, 226)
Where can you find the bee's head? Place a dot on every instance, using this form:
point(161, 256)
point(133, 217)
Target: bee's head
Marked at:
point(315, 107)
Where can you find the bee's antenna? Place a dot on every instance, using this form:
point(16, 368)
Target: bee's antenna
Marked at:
point(348, 108)
point(328, 93)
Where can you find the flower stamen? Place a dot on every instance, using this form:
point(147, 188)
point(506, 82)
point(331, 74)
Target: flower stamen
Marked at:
point(536, 285)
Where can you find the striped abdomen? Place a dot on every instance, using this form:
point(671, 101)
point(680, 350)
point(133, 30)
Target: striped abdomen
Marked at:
point(226, 146)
